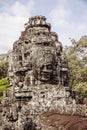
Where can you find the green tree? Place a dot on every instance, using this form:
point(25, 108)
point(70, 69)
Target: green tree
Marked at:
point(4, 85)
point(3, 69)
point(77, 60)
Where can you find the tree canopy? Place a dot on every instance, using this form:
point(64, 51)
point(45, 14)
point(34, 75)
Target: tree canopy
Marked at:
point(77, 60)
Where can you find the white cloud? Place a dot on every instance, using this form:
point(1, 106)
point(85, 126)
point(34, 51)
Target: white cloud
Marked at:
point(69, 19)
point(19, 9)
point(3, 1)
point(22, 10)
point(12, 23)
point(59, 14)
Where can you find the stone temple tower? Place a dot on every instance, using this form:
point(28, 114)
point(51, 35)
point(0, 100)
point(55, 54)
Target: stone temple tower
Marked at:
point(38, 74)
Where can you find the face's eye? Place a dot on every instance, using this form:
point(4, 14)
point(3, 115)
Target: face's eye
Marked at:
point(42, 67)
point(46, 67)
point(49, 67)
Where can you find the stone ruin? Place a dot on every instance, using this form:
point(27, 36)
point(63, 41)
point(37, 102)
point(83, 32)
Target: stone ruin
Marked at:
point(38, 74)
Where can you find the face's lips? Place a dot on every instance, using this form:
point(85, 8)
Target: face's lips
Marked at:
point(45, 76)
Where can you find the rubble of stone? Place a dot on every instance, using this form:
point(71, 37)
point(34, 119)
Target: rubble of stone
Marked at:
point(38, 74)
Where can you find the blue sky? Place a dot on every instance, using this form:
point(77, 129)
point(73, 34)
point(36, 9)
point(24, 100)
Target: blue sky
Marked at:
point(67, 17)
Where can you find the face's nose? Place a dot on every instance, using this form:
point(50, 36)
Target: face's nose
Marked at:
point(45, 68)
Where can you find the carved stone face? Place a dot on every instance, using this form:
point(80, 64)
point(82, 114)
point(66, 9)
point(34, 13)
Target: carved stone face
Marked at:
point(44, 71)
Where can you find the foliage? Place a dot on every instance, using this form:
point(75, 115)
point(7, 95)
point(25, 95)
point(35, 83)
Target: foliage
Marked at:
point(81, 87)
point(77, 60)
point(4, 85)
point(3, 69)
